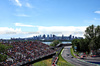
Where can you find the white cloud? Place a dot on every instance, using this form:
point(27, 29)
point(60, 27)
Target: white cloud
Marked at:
point(9, 29)
point(59, 30)
point(28, 5)
point(22, 15)
point(98, 12)
point(23, 25)
point(31, 35)
point(18, 3)
point(7, 33)
point(96, 18)
point(65, 30)
point(89, 21)
point(6, 30)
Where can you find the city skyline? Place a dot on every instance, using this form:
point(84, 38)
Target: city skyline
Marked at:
point(27, 18)
point(49, 37)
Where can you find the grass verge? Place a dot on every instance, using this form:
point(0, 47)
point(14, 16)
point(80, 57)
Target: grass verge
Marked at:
point(46, 62)
point(72, 52)
point(62, 62)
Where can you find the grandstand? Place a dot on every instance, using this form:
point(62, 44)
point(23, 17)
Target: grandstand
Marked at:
point(24, 52)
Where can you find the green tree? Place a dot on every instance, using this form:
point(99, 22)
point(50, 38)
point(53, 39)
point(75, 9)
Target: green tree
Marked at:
point(76, 42)
point(97, 39)
point(91, 41)
point(54, 43)
point(97, 30)
point(3, 51)
point(84, 45)
point(2, 48)
point(92, 33)
point(3, 57)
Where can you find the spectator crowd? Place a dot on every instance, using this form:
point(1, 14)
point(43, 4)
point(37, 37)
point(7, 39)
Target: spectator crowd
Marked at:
point(25, 51)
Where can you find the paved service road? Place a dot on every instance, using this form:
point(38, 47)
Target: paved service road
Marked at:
point(68, 57)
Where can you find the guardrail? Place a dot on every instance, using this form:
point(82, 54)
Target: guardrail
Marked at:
point(55, 58)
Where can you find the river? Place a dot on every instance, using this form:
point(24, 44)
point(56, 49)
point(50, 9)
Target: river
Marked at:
point(51, 42)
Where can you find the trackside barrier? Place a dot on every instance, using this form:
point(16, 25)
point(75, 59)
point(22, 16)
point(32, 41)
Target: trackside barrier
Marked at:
point(88, 62)
point(62, 51)
point(35, 59)
point(55, 57)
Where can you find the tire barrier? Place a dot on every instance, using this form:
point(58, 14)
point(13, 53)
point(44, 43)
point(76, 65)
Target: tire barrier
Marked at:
point(55, 57)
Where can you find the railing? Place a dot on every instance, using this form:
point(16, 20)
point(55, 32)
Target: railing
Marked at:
point(37, 58)
point(55, 58)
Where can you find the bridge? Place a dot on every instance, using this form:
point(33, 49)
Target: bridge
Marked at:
point(66, 44)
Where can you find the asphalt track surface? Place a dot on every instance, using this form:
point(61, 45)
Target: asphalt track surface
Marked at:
point(66, 54)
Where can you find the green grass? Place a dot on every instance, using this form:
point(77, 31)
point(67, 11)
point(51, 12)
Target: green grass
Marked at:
point(62, 62)
point(46, 62)
point(77, 53)
point(39, 64)
point(72, 53)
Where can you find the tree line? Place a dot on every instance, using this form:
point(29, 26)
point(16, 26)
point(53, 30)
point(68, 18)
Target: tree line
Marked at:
point(3, 51)
point(55, 43)
point(91, 42)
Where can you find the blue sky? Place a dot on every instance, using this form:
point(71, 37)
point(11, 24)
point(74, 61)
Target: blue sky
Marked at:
point(47, 16)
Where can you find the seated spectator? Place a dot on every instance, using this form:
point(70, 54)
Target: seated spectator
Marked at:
point(25, 51)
